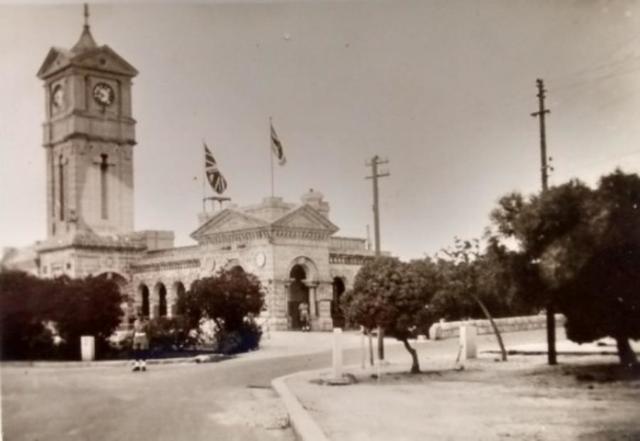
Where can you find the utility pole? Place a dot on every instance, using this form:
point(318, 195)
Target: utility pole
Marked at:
point(551, 325)
point(374, 163)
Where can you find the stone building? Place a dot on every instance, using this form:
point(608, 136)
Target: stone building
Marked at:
point(88, 139)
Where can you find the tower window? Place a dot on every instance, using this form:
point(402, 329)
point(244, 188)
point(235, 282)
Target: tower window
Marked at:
point(104, 201)
point(61, 185)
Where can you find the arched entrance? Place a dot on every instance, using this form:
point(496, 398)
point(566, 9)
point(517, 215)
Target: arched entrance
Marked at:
point(161, 293)
point(178, 291)
point(336, 311)
point(144, 300)
point(298, 293)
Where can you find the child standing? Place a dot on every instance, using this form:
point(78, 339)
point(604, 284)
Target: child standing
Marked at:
point(140, 346)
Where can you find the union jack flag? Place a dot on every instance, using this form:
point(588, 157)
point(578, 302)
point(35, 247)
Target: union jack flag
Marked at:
point(276, 147)
point(215, 178)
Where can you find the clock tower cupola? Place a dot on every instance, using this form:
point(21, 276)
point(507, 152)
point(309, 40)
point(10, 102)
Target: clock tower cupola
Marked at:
point(89, 134)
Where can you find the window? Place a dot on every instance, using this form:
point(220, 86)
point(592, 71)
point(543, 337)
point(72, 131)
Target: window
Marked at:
point(61, 186)
point(104, 201)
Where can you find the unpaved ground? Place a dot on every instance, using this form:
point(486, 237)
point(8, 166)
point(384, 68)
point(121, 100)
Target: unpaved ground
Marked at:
point(586, 398)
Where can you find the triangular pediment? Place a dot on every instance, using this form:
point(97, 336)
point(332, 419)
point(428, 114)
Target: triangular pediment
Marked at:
point(106, 59)
point(102, 58)
point(305, 217)
point(55, 60)
point(227, 221)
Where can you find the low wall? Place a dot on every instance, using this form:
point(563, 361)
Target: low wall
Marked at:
point(443, 330)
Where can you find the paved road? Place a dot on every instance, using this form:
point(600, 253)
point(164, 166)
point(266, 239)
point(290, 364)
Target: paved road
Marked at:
point(230, 400)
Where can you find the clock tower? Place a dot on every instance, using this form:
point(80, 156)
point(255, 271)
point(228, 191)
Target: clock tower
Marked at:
point(89, 134)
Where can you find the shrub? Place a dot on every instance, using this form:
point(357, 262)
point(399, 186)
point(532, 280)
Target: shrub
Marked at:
point(230, 299)
point(245, 338)
point(170, 334)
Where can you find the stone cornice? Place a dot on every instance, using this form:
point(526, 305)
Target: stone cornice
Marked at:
point(93, 242)
point(167, 265)
point(236, 236)
point(266, 233)
point(348, 259)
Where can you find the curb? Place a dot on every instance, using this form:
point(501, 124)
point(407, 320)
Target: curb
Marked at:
point(114, 363)
point(303, 425)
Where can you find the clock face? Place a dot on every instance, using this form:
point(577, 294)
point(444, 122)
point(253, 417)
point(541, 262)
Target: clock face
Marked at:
point(103, 94)
point(57, 97)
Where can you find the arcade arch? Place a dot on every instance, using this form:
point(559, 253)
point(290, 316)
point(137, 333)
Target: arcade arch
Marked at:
point(160, 294)
point(336, 311)
point(298, 294)
point(143, 291)
point(178, 290)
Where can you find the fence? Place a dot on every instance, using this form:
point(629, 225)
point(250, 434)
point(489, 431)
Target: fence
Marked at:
point(443, 330)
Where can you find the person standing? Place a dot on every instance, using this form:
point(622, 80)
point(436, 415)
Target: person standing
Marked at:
point(304, 316)
point(140, 345)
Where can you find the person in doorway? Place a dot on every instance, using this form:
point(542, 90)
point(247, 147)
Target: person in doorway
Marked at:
point(140, 345)
point(304, 317)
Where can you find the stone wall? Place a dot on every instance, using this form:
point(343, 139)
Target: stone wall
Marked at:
point(443, 330)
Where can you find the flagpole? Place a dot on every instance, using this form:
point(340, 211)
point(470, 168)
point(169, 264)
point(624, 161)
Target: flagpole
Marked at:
point(204, 176)
point(271, 150)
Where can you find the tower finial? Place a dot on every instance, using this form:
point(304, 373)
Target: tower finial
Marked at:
point(86, 15)
point(86, 41)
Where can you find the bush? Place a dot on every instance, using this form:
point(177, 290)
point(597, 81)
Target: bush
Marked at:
point(246, 338)
point(170, 334)
point(230, 299)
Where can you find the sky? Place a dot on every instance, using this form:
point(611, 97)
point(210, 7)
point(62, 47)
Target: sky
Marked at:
point(441, 89)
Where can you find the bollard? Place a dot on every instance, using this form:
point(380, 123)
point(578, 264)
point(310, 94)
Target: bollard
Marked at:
point(363, 354)
point(468, 342)
point(88, 348)
point(337, 354)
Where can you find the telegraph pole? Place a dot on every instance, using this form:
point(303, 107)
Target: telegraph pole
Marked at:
point(551, 325)
point(375, 174)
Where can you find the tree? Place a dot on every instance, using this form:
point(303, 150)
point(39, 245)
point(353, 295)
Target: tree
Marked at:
point(32, 308)
point(392, 295)
point(468, 277)
point(89, 306)
point(23, 333)
point(585, 244)
point(230, 299)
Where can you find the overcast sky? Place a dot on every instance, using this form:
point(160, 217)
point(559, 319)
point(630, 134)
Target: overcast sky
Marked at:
point(442, 89)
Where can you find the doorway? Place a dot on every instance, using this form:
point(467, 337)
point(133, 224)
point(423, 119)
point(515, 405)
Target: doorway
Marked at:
point(298, 293)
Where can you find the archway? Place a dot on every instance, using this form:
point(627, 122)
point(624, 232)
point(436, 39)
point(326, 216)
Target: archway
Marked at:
point(161, 293)
point(336, 311)
point(178, 291)
point(144, 300)
point(298, 294)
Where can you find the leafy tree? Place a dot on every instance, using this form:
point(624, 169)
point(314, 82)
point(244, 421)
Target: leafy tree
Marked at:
point(392, 295)
point(469, 281)
point(31, 308)
point(230, 299)
point(585, 244)
point(89, 306)
point(23, 333)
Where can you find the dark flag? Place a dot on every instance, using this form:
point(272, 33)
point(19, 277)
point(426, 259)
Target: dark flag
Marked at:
point(276, 147)
point(215, 178)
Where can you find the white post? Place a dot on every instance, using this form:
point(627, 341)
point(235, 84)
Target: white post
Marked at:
point(88, 348)
point(468, 342)
point(362, 349)
point(337, 354)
